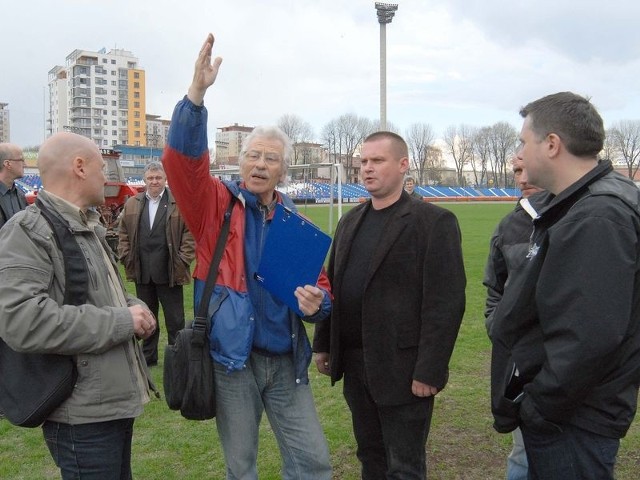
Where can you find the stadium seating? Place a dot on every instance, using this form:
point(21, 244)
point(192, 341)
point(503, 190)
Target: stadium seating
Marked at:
point(351, 192)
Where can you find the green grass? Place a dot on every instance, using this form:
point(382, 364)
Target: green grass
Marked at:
point(462, 443)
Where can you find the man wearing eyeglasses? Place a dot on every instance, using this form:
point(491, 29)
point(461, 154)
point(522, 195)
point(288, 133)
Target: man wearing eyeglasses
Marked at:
point(259, 346)
point(11, 167)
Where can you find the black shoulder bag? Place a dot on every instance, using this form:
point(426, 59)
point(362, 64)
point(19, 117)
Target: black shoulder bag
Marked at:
point(33, 385)
point(188, 374)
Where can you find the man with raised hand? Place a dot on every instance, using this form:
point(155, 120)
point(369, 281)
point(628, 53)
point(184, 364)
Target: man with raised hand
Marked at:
point(259, 346)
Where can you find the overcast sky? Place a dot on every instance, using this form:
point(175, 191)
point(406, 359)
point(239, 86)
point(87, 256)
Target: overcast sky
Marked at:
point(448, 61)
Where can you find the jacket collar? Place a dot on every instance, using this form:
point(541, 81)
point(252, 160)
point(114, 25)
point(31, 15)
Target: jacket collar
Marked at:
point(575, 191)
point(399, 221)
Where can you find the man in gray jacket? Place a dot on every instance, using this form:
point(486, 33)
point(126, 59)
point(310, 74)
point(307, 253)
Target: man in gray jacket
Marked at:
point(90, 433)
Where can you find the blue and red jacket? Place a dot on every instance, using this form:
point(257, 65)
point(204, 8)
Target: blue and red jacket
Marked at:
point(243, 314)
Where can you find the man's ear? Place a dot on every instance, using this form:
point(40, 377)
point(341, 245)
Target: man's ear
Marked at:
point(79, 167)
point(404, 165)
point(554, 145)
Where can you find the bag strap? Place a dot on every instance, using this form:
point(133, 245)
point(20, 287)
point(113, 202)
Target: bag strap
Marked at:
point(75, 264)
point(200, 321)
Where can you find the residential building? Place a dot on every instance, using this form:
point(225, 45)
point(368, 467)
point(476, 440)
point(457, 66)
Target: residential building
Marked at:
point(229, 142)
point(5, 132)
point(157, 131)
point(100, 95)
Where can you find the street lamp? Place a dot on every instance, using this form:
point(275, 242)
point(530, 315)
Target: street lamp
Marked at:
point(385, 12)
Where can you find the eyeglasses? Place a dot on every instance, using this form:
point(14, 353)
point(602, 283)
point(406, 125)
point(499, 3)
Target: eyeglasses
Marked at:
point(15, 159)
point(270, 158)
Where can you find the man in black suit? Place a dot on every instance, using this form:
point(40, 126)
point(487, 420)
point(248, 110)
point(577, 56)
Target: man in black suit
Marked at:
point(11, 197)
point(11, 168)
point(398, 279)
point(156, 249)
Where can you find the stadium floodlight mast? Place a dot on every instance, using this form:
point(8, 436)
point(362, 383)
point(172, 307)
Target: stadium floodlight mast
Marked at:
point(385, 11)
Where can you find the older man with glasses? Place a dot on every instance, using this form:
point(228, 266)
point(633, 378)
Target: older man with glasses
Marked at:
point(11, 167)
point(259, 346)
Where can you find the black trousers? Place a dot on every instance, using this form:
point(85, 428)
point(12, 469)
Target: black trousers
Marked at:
point(172, 301)
point(391, 439)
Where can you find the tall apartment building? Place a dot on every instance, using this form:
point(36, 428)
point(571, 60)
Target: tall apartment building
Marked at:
point(229, 142)
point(100, 95)
point(157, 131)
point(5, 133)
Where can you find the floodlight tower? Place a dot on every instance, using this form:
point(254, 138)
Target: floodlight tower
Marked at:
point(385, 11)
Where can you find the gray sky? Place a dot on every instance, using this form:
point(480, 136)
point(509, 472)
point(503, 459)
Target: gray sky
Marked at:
point(448, 61)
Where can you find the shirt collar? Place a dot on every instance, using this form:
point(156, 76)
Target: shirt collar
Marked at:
point(90, 218)
point(4, 189)
point(157, 199)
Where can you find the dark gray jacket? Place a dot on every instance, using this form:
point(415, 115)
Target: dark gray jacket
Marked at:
point(507, 255)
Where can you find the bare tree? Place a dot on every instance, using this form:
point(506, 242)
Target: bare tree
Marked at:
point(419, 137)
point(343, 136)
point(331, 140)
point(434, 164)
point(502, 141)
point(391, 127)
point(298, 131)
point(459, 141)
point(625, 136)
point(482, 156)
point(609, 151)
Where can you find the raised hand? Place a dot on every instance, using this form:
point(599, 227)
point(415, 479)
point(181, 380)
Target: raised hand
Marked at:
point(205, 72)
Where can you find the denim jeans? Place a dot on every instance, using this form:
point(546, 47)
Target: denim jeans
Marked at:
point(570, 454)
point(268, 384)
point(391, 439)
point(91, 451)
point(517, 466)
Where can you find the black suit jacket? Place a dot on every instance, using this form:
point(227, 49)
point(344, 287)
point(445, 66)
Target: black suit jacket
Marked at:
point(153, 249)
point(4, 210)
point(413, 301)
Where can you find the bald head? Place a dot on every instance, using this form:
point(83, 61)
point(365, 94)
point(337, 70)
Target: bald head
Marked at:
point(11, 163)
point(9, 151)
point(58, 151)
point(71, 167)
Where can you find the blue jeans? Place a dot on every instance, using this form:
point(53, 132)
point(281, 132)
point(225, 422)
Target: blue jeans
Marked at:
point(268, 384)
point(517, 466)
point(94, 451)
point(391, 439)
point(569, 454)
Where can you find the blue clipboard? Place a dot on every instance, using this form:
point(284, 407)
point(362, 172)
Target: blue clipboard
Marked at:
point(293, 255)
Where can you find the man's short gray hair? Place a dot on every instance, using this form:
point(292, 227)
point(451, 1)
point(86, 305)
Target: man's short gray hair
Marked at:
point(153, 165)
point(271, 132)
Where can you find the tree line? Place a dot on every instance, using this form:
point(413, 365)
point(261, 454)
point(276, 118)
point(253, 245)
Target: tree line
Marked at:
point(484, 152)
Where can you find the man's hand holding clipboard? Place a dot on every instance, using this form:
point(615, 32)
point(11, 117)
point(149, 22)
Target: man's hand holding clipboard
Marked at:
point(292, 258)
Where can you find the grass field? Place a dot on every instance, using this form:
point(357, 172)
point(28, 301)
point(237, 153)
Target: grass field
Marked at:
point(462, 443)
